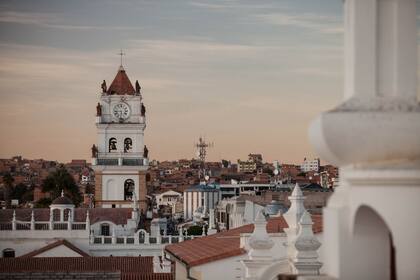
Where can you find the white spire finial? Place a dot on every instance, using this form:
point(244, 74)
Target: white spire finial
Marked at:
point(259, 241)
point(14, 215)
point(305, 258)
point(297, 192)
point(62, 192)
point(293, 216)
point(32, 216)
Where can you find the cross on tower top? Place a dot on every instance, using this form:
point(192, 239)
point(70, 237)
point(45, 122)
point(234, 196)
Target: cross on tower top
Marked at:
point(121, 56)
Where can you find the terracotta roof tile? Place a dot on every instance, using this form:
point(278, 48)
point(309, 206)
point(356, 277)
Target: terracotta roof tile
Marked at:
point(140, 268)
point(53, 245)
point(225, 244)
point(62, 200)
point(121, 84)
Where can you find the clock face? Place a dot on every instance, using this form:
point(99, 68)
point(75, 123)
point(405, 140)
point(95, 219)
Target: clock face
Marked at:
point(121, 111)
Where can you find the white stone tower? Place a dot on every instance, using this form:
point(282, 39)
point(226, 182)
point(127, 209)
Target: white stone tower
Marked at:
point(370, 222)
point(120, 158)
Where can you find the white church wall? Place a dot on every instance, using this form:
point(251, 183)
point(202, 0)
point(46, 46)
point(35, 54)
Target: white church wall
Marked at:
point(228, 268)
point(26, 245)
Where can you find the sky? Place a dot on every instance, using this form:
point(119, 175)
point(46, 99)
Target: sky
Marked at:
point(248, 76)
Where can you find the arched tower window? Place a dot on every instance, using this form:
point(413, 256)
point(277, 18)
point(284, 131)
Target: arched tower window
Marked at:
point(128, 189)
point(8, 253)
point(128, 144)
point(112, 144)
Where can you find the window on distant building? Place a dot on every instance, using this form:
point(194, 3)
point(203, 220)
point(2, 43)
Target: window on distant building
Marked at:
point(66, 214)
point(56, 215)
point(112, 144)
point(8, 253)
point(128, 189)
point(105, 229)
point(128, 143)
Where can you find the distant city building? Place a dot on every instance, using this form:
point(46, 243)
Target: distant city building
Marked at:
point(236, 189)
point(310, 165)
point(257, 158)
point(204, 197)
point(169, 198)
point(247, 166)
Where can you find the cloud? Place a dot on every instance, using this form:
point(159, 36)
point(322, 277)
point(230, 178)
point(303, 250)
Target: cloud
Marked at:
point(183, 53)
point(317, 72)
point(51, 20)
point(321, 23)
point(229, 5)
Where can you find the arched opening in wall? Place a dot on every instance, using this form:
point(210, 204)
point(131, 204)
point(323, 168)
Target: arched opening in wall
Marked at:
point(128, 189)
point(8, 253)
point(141, 237)
point(110, 189)
point(372, 245)
point(66, 214)
point(112, 145)
point(128, 144)
point(105, 229)
point(56, 215)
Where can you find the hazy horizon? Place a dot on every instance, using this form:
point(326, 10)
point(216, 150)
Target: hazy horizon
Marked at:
point(248, 76)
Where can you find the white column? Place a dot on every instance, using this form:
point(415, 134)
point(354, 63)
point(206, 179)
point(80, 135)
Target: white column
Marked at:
point(374, 137)
point(380, 41)
point(185, 204)
point(32, 220)
point(87, 221)
point(114, 236)
point(51, 219)
point(69, 221)
point(14, 220)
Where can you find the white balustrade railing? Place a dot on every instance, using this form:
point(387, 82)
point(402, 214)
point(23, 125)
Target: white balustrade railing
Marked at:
point(139, 239)
point(28, 225)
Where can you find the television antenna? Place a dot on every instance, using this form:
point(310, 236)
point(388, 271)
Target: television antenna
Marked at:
point(202, 147)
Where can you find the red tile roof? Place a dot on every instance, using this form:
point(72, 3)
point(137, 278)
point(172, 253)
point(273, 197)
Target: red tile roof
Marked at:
point(140, 268)
point(118, 216)
point(53, 245)
point(225, 244)
point(121, 84)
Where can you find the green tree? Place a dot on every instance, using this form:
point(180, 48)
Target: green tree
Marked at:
point(43, 203)
point(18, 192)
point(194, 230)
point(89, 189)
point(61, 180)
point(8, 187)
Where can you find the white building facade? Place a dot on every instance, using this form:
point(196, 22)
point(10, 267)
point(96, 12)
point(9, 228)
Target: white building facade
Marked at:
point(97, 231)
point(202, 198)
point(310, 165)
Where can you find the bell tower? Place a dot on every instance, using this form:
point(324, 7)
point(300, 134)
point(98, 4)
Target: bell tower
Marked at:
point(120, 158)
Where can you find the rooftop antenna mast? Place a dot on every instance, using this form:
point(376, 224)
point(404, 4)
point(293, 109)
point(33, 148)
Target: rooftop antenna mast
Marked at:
point(202, 146)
